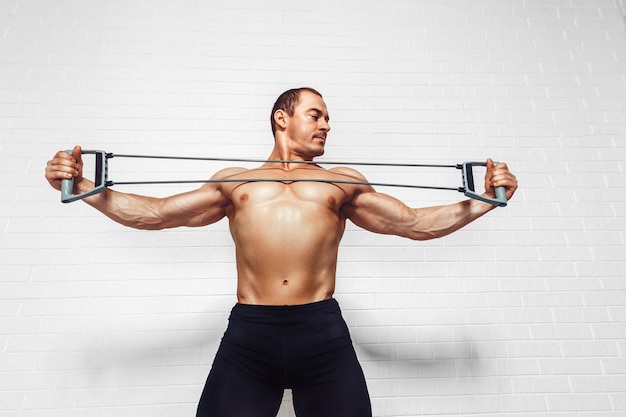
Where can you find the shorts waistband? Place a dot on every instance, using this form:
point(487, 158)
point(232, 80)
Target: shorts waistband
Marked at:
point(256, 310)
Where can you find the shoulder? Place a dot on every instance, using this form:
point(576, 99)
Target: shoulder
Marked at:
point(349, 172)
point(228, 172)
point(218, 181)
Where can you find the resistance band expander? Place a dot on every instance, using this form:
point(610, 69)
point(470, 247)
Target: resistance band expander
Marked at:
point(102, 182)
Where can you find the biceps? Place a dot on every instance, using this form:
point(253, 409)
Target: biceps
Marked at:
point(381, 213)
point(195, 208)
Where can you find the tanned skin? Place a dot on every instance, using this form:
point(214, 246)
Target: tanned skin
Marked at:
point(286, 233)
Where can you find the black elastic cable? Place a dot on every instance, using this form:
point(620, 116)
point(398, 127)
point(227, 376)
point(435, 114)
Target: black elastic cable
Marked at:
point(283, 180)
point(321, 162)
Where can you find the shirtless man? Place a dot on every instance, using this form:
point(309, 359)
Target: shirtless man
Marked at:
point(286, 331)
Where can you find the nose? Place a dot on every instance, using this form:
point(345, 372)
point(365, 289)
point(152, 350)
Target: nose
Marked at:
point(324, 125)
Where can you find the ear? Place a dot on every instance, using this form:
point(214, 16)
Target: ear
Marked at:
point(280, 117)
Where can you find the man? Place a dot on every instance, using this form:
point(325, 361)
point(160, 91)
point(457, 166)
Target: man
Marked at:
point(286, 331)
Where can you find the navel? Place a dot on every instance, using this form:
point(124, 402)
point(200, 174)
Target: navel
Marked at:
point(285, 283)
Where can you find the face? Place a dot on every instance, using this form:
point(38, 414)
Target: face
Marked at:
point(308, 127)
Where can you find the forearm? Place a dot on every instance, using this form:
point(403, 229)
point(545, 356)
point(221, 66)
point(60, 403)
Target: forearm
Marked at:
point(434, 222)
point(139, 212)
point(200, 207)
point(381, 213)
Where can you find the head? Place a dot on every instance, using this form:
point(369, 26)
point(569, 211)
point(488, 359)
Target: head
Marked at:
point(287, 102)
point(300, 123)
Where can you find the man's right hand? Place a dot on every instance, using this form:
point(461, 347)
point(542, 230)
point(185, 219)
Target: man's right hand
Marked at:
point(64, 166)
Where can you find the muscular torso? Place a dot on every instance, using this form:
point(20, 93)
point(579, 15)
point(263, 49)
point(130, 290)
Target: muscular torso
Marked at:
point(286, 233)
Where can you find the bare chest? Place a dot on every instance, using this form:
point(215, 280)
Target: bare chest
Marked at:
point(286, 194)
point(274, 187)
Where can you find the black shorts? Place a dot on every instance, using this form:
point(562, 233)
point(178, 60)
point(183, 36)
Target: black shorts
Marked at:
point(267, 349)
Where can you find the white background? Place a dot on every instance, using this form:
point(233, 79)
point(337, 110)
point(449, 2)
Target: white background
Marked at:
point(520, 314)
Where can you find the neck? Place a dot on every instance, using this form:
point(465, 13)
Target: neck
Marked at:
point(283, 153)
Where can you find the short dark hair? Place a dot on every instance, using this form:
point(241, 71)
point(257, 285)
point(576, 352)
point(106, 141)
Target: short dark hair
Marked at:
point(287, 102)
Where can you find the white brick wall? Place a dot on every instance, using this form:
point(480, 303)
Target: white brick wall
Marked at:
point(521, 314)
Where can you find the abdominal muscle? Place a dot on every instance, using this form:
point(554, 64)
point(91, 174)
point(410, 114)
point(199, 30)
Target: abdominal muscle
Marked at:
point(286, 249)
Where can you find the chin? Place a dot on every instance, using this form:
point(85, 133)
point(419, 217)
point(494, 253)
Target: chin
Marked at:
point(316, 151)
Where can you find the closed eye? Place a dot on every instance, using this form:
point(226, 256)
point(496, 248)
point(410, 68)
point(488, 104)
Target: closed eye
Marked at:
point(317, 116)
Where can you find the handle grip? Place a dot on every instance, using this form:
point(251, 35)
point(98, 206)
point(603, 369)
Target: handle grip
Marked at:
point(469, 189)
point(100, 178)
